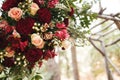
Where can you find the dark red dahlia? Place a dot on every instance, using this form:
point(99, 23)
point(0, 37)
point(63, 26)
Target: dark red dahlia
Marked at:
point(8, 61)
point(33, 55)
point(24, 26)
point(9, 4)
point(44, 15)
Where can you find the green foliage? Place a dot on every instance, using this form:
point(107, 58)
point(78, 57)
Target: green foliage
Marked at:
point(37, 77)
point(79, 26)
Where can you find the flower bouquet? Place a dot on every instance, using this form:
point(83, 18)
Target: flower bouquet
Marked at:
point(29, 32)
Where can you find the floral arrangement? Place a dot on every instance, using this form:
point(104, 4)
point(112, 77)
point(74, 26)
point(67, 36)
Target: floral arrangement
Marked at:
point(29, 32)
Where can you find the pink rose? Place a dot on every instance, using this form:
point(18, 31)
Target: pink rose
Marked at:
point(63, 34)
point(52, 3)
point(37, 41)
point(15, 13)
point(34, 8)
point(60, 25)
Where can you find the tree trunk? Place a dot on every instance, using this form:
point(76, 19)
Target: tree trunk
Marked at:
point(74, 63)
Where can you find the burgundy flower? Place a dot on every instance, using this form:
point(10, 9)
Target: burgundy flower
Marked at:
point(24, 26)
point(14, 42)
point(39, 2)
point(9, 4)
point(49, 54)
point(71, 12)
point(66, 21)
point(33, 55)
point(44, 15)
point(23, 45)
point(8, 61)
point(3, 41)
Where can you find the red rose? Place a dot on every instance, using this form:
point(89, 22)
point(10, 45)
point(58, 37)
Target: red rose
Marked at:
point(33, 55)
point(8, 61)
point(49, 54)
point(9, 4)
point(24, 26)
point(44, 15)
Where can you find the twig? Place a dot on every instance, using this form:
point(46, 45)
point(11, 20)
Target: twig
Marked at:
point(112, 43)
point(103, 29)
point(98, 24)
point(117, 70)
point(103, 35)
point(102, 53)
point(108, 18)
point(90, 40)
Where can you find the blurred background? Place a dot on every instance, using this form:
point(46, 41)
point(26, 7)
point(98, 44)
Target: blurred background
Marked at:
point(85, 62)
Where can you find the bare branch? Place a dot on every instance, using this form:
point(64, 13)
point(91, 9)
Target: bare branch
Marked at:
point(103, 54)
point(117, 70)
point(117, 24)
point(112, 43)
point(98, 24)
point(90, 39)
point(108, 18)
point(103, 35)
point(103, 29)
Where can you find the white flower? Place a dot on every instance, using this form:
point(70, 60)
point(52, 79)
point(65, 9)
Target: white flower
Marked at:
point(61, 6)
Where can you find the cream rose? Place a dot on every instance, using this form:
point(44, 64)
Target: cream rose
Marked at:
point(15, 13)
point(37, 41)
point(34, 8)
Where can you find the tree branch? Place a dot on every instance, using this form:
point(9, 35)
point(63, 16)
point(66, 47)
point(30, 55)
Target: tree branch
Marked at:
point(108, 18)
point(117, 24)
point(98, 24)
point(112, 43)
point(103, 29)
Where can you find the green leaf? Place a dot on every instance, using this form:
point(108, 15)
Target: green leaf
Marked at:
point(37, 77)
